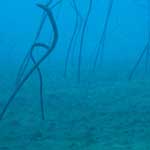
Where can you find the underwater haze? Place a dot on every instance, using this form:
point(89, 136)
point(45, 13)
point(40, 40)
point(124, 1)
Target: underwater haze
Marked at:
point(74, 75)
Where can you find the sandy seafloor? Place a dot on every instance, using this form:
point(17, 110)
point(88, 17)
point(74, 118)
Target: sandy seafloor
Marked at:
point(106, 113)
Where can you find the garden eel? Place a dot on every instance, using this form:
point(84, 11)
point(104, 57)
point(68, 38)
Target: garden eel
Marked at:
point(50, 49)
point(77, 16)
point(29, 56)
point(101, 43)
point(82, 40)
point(145, 51)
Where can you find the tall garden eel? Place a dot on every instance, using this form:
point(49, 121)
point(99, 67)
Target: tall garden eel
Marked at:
point(82, 40)
point(49, 48)
point(78, 17)
point(30, 56)
point(101, 43)
point(145, 52)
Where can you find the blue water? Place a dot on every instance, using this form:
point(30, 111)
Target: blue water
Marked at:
point(94, 109)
